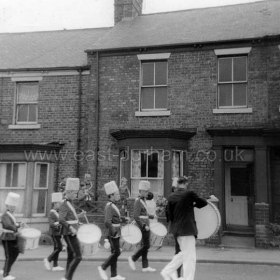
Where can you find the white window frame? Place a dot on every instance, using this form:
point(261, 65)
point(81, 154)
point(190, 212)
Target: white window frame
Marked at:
point(15, 162)
point(152, 86)
point(232, 83)
point(147, 178)
point(181, 172)
point(36, 188)
point(29, 103)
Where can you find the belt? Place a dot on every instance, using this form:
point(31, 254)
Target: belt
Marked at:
point(72, 222)
point(116, 225)
point(143, 217)
point(8, 231)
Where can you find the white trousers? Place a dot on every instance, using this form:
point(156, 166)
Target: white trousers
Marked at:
point(187, 258)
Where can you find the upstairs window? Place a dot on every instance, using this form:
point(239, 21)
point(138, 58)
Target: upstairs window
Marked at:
point(153, 85)
point(27, 103)
point(232, 82)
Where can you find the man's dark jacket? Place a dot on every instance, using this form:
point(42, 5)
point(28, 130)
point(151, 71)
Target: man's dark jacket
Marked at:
point(183, 224)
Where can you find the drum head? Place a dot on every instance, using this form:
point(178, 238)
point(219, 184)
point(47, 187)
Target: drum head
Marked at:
point(208, 220)
point(131, 234)
point(158, 229)
point(30, 233)
point(89, 234)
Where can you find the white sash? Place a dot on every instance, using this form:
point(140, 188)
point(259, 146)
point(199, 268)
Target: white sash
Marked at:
point(72, 209)
point(115, 207)
point(144, 204)
point(55, 212)
point(12, 217)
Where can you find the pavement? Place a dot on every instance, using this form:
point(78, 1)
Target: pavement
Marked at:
point(204, 255)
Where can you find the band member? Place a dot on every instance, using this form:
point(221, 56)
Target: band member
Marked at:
point(142, 220)
point(113, 226)
point(68, 218)
point(175, 192)
point(9, 234)
point(55, 232)
point(183, 227)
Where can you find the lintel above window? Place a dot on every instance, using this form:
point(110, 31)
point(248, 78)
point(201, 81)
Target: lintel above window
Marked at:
point(153, 56)
point(232, 51)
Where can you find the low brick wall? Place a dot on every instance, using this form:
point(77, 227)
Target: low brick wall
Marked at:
point(262, 235)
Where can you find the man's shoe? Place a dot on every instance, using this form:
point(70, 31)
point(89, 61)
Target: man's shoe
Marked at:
point(117, 277)
point(164, 275)
point(9, 277)
point(102, 273)
point(57, 268)
point(131, 263)
point(148, 269)
point(47, 264)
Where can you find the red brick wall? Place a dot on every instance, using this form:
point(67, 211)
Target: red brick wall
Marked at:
point(191, 99)
point(57, 115)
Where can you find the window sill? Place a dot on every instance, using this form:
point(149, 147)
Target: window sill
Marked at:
point(233, 111)
point(152, 113)
point(24, 126)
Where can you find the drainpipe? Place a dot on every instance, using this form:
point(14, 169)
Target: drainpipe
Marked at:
point(97, 127)
point(80, 92)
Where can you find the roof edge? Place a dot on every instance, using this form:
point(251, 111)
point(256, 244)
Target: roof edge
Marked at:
point(254, 40)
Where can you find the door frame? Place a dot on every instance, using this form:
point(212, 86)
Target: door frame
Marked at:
point(250, 198)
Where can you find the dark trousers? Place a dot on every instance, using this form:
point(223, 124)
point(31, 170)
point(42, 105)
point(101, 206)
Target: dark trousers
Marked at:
point(11, 254)
point(177, 250)
point(74, 255)
point(113, 258)
point(56, 250)
point(143, 251)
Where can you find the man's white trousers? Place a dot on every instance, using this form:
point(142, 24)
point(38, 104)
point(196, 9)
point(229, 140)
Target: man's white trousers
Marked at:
point(187, 258)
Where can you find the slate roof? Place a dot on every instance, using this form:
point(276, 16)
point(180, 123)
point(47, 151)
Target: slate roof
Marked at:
point(45, 49)
point(235, 22)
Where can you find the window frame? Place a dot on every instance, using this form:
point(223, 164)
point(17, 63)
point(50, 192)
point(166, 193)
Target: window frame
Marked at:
point(146, 178)
point(37, 189)
point(232, 82)
point(15, 162)
point(181, 172)
point(17, 103)
point(152, 61)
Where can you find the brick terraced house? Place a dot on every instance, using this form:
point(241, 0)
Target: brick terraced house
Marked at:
point(192, 92)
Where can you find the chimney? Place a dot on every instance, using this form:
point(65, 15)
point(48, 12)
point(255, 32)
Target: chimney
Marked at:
point(127, 9)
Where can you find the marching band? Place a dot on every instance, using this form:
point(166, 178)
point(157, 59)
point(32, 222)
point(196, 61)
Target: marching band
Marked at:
point(64, 225)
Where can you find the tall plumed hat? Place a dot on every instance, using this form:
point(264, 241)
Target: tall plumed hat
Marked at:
point(12, 199)
point(144, 185)
point(111, 187)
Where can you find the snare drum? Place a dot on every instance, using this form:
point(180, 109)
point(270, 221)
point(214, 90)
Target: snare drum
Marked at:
point(158, 233)
point(208, 220)
point(28, 238)
point(89, 236)
point(130, 236)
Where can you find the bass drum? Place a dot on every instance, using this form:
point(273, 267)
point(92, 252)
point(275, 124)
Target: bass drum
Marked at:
point(208, 220)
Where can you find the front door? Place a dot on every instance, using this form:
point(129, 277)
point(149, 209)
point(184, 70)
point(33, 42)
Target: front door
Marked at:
point(238, 195)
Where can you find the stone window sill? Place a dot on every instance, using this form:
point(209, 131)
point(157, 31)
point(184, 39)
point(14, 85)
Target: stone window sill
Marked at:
point(152, 113)
point(233, 111)
point(24, 126)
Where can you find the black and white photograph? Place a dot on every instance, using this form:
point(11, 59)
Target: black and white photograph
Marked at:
point(139, 139)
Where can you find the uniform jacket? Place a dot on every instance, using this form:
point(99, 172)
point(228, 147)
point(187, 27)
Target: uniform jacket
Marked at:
point(183, 224)
point(67, 214)
point(55, 226)
point(140, 209)
point(10, 227)
point(112, 220)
